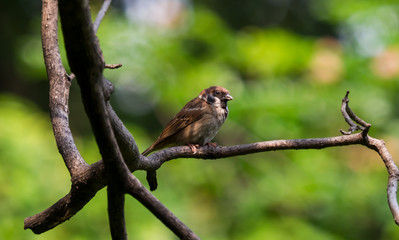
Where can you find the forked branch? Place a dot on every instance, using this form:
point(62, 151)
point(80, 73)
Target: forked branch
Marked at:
point(379, 146)
point(354, 121)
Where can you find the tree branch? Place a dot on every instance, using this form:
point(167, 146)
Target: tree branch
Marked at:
point(354, 121)
point(210, 152)
point(116, 207)
point(393, 175)
point(59, 89)
point(82, 191)
point(87, 63)
point(101, 14)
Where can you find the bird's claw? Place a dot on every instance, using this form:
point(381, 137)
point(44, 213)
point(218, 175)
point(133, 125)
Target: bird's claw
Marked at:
point(193, 148)
point(212, 144)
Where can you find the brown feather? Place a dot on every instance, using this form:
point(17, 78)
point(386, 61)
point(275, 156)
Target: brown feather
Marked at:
point(190, 113)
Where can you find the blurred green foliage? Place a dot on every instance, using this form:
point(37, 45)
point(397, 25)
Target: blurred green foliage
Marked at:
point(285, 85)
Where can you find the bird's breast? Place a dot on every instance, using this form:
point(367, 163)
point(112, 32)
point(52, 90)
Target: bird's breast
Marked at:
point(203, 130)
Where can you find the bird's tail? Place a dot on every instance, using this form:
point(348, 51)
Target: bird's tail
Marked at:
point(147, 151)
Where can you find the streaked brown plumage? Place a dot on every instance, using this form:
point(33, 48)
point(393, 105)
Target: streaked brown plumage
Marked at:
point(196, 124)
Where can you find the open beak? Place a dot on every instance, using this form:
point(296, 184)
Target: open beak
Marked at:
point(228, 97)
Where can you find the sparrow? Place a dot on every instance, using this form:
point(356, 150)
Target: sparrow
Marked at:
point(195, 125)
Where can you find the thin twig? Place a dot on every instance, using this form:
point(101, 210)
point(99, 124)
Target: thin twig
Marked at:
point(349, 116)
point(113, 66)
point(101, 14)
point(70, 76)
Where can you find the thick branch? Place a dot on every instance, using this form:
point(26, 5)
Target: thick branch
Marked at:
point(59, 90)
point(86, 61)
point(116, 207)
point(85, 187)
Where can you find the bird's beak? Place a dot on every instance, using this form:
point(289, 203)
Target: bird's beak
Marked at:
point(228, 97)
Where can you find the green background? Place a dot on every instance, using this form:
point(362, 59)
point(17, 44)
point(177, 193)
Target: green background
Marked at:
point(287, 65)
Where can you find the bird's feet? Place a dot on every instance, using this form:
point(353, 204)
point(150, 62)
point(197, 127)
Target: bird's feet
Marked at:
point(212, 144)
point(193, 147)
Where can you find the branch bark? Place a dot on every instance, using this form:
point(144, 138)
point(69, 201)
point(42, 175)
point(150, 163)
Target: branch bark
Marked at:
point(116, 208)
point(86, 61)
point(59, 90)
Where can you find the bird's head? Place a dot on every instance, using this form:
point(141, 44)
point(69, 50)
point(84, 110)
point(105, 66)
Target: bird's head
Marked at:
point(216, 95)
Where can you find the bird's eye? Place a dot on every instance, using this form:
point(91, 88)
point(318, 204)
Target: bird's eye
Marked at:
point(217, 92)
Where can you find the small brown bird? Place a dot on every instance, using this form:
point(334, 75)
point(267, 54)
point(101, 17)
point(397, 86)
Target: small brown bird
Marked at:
point(195, 125)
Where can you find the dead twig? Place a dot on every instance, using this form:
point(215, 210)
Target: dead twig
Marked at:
point(349, 117)
point(113, 66)
point(101, 14)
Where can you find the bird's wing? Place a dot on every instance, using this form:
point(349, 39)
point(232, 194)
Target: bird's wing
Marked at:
point(192, 112)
